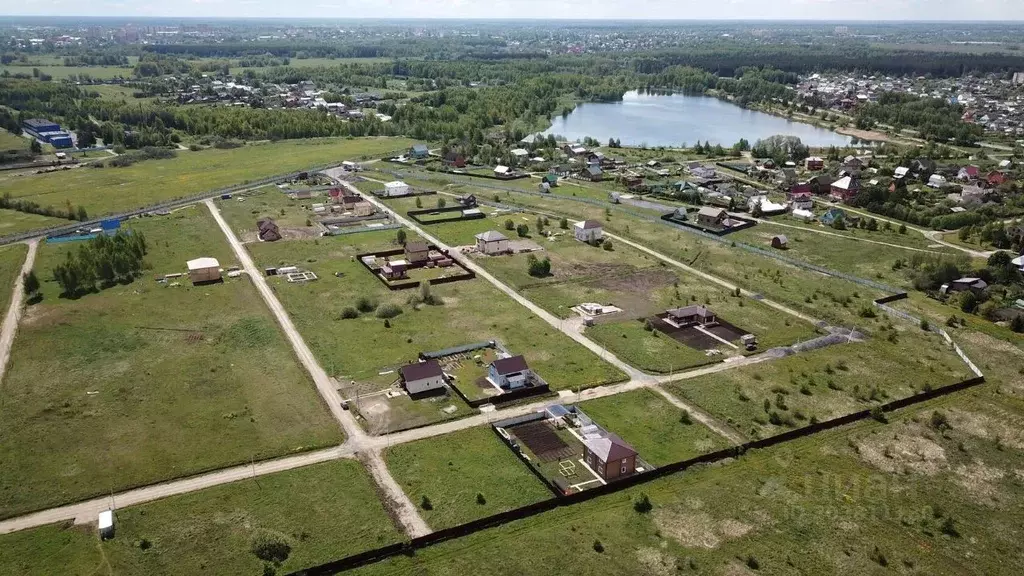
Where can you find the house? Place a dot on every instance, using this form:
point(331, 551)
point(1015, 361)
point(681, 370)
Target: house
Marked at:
point(801, 200)
point(592, 173)
point(1004, 164)
point(394, 270)
point(696, 315)
point(766, 206)
point(853, 163)
point(844, 189)
point(203, 270)
point(589, 231)
point(995, 178)
point(520, 154)
point(267, 230)
point(550, 179)
point(829, 218)
point(900, 172)
point(454, 160)
point(708, 216)
point(936, 181)
point(416, 252)
point(967, 173)
point(976, 285)
point(491, 242)
point(571, 150)
point(422, 377)
point(509, 373)
point(610, 457)
point(419, 151)
point(805, 215)
point(922, 166)
point(814, 163)
point(502, 171)
point(785, 177)
point(544, 188)
point(396, 188)
point(363, 208)
point(780, 242)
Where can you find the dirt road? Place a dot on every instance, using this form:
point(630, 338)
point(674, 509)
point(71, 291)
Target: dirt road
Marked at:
point(10, 325)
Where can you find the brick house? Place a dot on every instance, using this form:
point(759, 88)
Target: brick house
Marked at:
point(610, 457)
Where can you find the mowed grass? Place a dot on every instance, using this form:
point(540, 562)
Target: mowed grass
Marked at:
point(109, 190)
point(14, 222)
point(827, 383)
point(10, 141)
point(145, 382)
point(653, 426)
point(322, 512)
point(472, 311)
point(451, 470)
point(11, 259)
point(816, 505)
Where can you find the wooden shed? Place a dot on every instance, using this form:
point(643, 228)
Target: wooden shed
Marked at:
point(780, 242)
point(203, 270)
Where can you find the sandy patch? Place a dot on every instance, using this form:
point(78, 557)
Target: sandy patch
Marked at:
point(980, 480)
point(655, 563)
point(1008, 428)
point(903, 453)
point(696, 529)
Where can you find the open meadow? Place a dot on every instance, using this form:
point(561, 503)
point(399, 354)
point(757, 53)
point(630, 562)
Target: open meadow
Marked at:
point(452, 470)
point(110, 190)
point(142, 382)
point(14, 222)
point(11, 259)
point(340, 515)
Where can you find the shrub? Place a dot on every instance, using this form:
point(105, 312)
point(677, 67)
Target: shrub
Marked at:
point(364, 304)
point(949, 528)
point(805, 390)
point(349, 313)
point(400, 236)
point(522, 230)
point(270, 547)
point(388, 311)
point(426, 504)
point(867, 312)
point(642, 504)
point(939, 421)
point(510, 225)
point(537, 267)
point(878, 556)
point(607, 245)
point(752, 563)
point(598, 547)
point(563, 224)
point(685, 419)
point(480, 499)
point(1017, 323)
point(878, 415)
point(924, 325)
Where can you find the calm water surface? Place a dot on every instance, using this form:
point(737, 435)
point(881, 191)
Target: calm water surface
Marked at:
point(642, 119)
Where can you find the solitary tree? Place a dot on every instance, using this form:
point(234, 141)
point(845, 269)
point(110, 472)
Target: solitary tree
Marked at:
point(31, 283)
point(400, 236)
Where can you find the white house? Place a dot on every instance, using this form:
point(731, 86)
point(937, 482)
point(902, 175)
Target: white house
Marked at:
point(588, 231)
point(491, 242)
point(422, 377)
point(767, 206)
point(501, 170)
point(901, 172)
point(203, 270)
point(396, 188)
point(509, 373)
point(520, 153)
point(936, 181)
point(802, 214)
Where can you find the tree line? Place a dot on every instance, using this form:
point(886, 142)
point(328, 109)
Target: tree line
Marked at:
point(100, 263)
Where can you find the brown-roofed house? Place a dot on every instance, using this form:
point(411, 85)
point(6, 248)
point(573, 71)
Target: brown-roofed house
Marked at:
point(611, 457)
point(690, 315)
point(422, 377)
point(416, 252)
point(268, 231)
point(509, 373)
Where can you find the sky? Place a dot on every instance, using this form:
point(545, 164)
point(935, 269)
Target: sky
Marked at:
point(832, 10)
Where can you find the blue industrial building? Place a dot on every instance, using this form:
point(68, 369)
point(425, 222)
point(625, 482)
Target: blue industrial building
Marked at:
point(48, 131)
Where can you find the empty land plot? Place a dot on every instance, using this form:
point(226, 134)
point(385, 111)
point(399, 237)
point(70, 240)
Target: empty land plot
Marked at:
point(9, 141)
point(471, 311)
point(144, 382)
point(11, 259)
point(452, 470)
point(14, 222)
point(771, 397)
point(291, 215)
point(653, 426)
point(321, 512)
point(109, 190)
point(794, 508)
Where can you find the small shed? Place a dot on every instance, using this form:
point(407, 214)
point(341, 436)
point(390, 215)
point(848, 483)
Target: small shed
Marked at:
point(203, 270)
point(780, 242)
point(106, 524)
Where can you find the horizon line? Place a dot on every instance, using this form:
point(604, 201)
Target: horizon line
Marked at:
point(507, 19)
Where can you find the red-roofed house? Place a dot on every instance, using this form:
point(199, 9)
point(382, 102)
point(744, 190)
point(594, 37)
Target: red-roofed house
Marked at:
point(995, 178)
point(968, 173)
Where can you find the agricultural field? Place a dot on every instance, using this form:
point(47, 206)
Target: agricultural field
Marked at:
point(110, 190)
point(451, 470)
point(14, 222)
point(653, 426)
point(361, 353)
point(827, 503)
point(899, 360)
point(11, 259)
point(99, 387)
point(340, 515)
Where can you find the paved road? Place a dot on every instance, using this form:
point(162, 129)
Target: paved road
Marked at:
point(403, 508)
point(10, 325)
point(84, 512)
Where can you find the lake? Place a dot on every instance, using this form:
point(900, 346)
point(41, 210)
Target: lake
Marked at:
point(671, 120)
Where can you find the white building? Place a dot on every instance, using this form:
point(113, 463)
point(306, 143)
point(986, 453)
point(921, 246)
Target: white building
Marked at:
point(936, 181)
point(767, 206)
point(422, 377)
point(203, 270)
point(491, 242)
point(106, 524)
point(805, 215)
point(396, 188)
point(588, 231)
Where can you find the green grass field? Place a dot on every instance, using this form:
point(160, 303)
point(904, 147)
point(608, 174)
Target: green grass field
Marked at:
point(322, 512)
point(144, 382)
point(653, 426)
point(63, 72)
point(267, 202)
point(825, 384)
point(11, 259)
point(10, 141)
point(451, 470)
point(13, 222)
point(110, 190)
point(358, 349)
